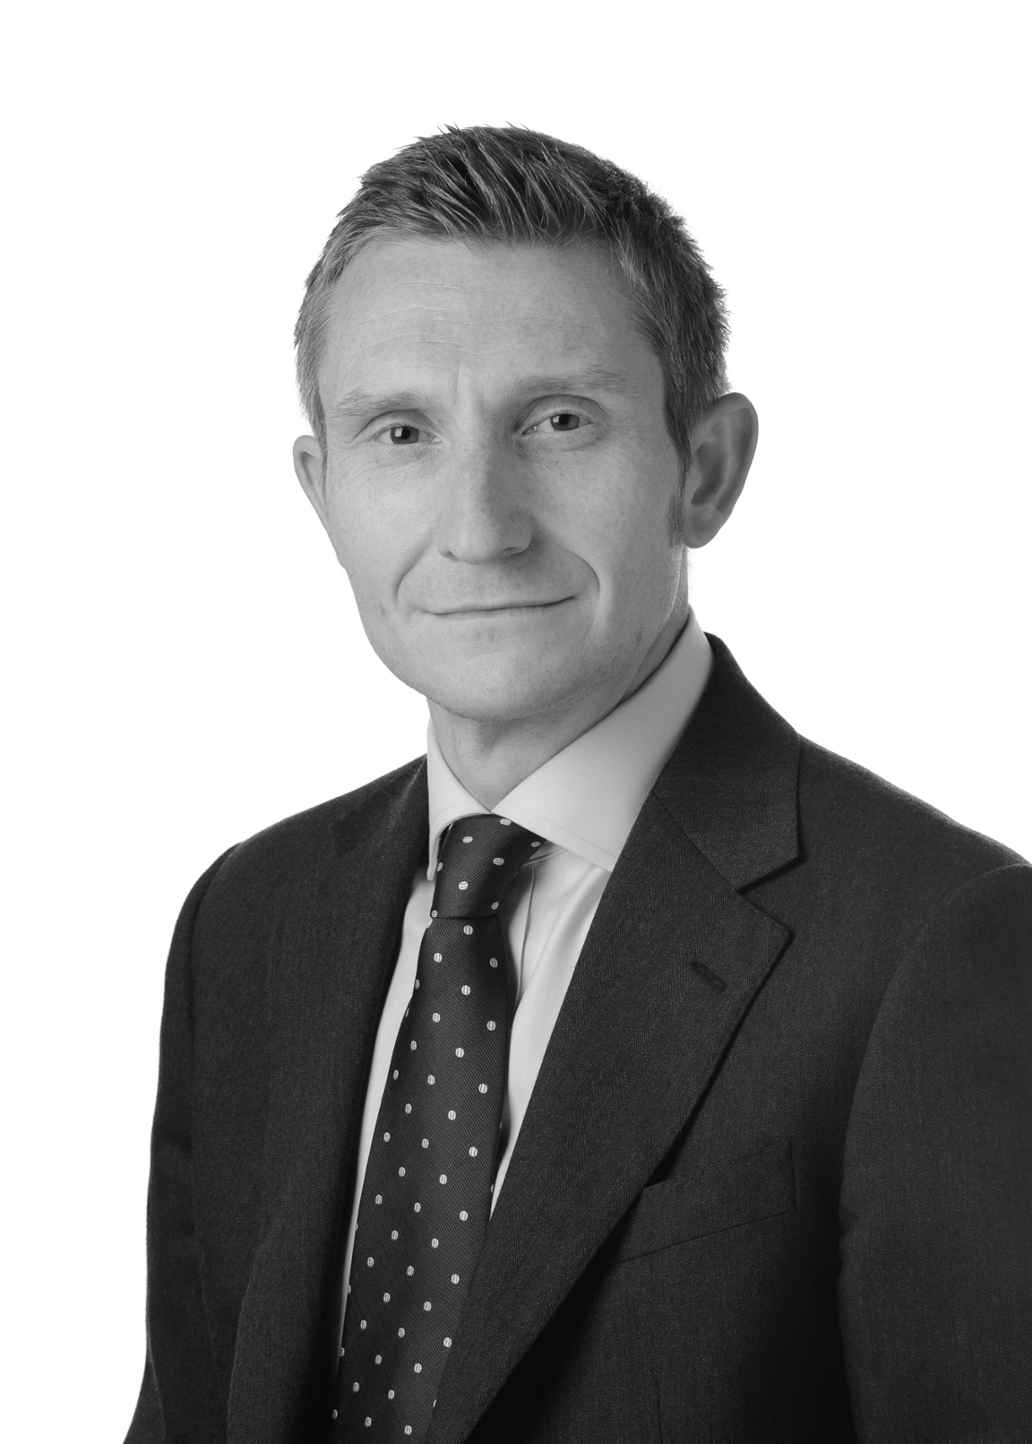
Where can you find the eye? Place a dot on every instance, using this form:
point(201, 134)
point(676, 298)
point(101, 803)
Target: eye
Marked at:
point(400, 434)
point(560, 422)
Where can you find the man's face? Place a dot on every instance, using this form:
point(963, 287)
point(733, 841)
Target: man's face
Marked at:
point(498, 477)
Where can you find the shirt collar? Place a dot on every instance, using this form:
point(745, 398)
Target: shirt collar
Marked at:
point(565, 799)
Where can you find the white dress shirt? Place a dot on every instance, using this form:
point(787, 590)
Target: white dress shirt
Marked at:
point(584, 801)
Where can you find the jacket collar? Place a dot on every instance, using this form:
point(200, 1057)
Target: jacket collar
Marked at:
point(730, 784)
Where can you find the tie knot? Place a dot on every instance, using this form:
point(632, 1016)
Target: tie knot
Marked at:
point(479, 858)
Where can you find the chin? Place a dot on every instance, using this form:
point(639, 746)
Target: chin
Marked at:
point(493, 684)
point(510, 697)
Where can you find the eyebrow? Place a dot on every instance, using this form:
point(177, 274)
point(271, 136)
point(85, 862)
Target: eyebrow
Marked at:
point(358, 402)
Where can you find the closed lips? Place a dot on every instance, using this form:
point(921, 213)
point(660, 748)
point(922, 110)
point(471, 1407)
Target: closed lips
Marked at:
point(499, 607)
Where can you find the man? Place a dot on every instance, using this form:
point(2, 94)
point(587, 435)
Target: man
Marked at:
point(629, 1068)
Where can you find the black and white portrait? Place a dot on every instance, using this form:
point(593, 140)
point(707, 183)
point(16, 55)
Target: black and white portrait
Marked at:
point(521, 831)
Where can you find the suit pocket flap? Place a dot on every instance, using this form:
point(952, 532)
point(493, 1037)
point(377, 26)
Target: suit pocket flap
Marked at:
point(740, 1190)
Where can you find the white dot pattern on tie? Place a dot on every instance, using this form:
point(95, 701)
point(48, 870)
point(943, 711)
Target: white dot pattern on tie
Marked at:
point(429, 1178)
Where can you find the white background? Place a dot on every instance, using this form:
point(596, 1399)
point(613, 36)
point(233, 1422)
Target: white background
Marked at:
point(184, 661)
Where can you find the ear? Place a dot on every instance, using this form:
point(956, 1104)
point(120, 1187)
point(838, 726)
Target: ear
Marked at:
point(723, 442)
point(310, 467)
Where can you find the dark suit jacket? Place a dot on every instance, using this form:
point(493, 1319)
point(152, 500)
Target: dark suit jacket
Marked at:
point(774, 1180)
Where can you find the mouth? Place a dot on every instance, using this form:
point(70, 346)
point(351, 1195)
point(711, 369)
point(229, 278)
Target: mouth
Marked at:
point(504, 610)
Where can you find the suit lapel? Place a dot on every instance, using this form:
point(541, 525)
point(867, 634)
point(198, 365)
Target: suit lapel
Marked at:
point(330, 970)
point(672, 961)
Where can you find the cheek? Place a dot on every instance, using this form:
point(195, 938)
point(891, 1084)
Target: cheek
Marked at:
point(368, 546)
point(372, 599)
point(629, 545)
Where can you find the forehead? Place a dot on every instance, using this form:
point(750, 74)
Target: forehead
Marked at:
point(437, 309)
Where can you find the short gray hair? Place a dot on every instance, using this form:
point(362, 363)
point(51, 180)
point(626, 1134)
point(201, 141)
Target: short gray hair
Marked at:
point(513, 184)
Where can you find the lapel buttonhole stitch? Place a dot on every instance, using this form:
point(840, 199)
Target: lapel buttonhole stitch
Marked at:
point(709, 977)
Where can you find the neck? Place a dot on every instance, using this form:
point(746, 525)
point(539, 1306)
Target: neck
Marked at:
point(491, 758)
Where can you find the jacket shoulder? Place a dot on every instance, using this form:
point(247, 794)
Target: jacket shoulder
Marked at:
point(844, 806)
point(290, 846)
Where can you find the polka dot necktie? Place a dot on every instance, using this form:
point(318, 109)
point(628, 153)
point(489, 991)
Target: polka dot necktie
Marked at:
point(426, 1197)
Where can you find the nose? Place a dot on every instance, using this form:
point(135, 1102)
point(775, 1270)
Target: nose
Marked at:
point(482, 511)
